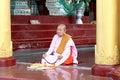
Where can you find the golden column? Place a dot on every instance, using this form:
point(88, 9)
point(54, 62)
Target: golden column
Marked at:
point(5, 35)
point(107, 51)
point(107, 40)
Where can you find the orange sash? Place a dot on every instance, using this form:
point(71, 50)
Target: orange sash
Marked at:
point(61, 47)
point(62, 44)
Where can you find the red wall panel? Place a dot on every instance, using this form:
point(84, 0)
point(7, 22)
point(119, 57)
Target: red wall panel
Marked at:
point(40, 36)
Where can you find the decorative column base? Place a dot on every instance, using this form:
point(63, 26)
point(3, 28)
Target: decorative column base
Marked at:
point(102, 70)
point(6, 62)
point(107, 71)
point(116, 73)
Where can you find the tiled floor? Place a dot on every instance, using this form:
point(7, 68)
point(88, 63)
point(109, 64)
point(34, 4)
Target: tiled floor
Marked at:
point(82, 71)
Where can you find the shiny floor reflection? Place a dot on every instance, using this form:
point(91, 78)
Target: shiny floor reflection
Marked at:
point(20, 72)
point(82, 71)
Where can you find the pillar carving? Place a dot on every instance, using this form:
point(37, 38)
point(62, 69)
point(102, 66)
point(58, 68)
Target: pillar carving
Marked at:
point(107, 44)
point(106, 59)
point(107, 48)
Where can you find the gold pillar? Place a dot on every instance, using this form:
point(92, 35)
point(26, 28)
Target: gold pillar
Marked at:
point(119, 23)
point(5, 29)
point(107, 40)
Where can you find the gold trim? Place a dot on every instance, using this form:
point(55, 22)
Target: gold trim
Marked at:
point(102, 57)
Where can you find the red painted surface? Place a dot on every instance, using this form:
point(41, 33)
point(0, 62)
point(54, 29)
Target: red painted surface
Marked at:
point(112, 71)
point(10, 78)
point(9, 61)
point(37, 36)
point(40, 36)
point(102, 70)
point(47, 19)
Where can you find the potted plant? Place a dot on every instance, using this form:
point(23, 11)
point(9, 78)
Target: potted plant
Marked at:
point(70, 6)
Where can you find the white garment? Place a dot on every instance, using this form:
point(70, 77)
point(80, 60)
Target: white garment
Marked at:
point(66, 53)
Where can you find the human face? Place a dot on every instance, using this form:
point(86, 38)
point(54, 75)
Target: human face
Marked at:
point(60, 30)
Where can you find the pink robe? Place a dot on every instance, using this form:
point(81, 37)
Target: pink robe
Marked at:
point(66, 53)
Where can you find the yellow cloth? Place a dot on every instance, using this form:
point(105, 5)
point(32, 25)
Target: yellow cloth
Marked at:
point(62, 44)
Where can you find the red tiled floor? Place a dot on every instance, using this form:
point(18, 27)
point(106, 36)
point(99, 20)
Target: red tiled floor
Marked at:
point(20, 72)
point(82, 71)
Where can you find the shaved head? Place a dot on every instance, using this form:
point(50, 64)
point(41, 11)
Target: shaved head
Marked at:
point(61, 29)
point(63, 26)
